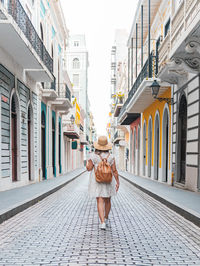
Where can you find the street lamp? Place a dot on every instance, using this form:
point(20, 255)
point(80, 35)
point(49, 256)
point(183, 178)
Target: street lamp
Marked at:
point(155, 89)
point(72, 119)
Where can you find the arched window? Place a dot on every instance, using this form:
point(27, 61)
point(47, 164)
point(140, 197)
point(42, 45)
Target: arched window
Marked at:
point(182, 139)
point(76, 63)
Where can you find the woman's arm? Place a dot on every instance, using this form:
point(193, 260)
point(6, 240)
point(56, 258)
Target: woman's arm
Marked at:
point(115, 173)
point(89, 165)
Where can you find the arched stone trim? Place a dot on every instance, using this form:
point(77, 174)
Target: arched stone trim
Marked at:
point(165, 143)
point(144, 156)
point(32, 159)
point(156, 145)
point(149, 172)
point(14, 93)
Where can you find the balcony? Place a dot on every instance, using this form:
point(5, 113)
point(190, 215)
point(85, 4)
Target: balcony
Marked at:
point(168, 70)
point(118, 106)
point(22, 42)
point(140, 97)
point(83, 139)
point(185, 35)
point(119, 135)
point(49, 91)
point(71, 131)
point(63, 101)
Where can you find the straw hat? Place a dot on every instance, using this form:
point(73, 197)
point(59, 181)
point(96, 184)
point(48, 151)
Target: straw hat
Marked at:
point(102, 144)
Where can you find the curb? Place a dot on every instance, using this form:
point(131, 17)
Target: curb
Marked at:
point(12, 212)
point(186, 213)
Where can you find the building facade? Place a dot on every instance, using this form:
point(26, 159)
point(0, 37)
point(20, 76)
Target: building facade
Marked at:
point(118, 91)
point(162, 54)
point(77, 66)
point(34, 92)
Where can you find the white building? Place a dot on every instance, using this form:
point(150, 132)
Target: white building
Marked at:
point(35, 91)
point(118, 91)
point(77, 66)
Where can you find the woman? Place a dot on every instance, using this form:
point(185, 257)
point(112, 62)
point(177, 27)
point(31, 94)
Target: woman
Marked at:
point(102, 191)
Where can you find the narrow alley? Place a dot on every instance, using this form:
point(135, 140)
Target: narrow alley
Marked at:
point(63, 229)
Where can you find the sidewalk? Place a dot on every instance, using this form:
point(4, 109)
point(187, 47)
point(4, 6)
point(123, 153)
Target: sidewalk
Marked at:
point(184, 202)
point(18, 199)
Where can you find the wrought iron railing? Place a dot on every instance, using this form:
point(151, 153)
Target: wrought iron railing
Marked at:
point(16, 10)
point(68, 93)
point(144, 73)
point(119, 134)
point(64, 92)
point(53, 84)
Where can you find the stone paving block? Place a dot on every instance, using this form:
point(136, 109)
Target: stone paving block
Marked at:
point(63, 229)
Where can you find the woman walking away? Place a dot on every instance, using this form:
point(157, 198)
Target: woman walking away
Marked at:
point(102, 184)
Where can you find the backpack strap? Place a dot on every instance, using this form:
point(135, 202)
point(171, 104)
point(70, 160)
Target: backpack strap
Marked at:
point(104, 158)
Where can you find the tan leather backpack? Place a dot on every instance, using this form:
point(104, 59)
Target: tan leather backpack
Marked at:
point(103, 172)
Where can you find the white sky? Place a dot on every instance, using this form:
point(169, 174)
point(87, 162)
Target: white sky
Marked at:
point(98, 19)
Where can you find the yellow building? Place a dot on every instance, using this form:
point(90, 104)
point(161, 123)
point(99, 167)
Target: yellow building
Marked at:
point(148, 114)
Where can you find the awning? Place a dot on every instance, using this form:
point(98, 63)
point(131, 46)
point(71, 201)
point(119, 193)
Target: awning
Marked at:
point(71, 135)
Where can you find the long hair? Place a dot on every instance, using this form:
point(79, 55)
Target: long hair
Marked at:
point(99, 152)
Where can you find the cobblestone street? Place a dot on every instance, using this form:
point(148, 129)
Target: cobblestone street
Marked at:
point(63, 229)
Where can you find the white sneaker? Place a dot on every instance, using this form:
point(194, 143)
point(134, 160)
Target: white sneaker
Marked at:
point(103, 226)
point(106, 221)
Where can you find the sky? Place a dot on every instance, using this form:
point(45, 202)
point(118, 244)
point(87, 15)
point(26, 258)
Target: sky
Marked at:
point(98, 19)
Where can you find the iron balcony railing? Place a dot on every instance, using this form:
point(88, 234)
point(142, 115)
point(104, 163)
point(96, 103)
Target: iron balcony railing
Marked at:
point(53, 84)
point(118, 134)
point(68, 94)
point(63, 91)
point(18, 13)
point(144, 73)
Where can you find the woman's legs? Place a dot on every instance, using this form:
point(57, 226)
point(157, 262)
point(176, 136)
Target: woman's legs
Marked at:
point(107, 207)
point(100, 207)
point(103, 206)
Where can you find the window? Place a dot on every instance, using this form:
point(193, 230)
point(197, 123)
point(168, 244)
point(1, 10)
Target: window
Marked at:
point(76, 80)
point(167, 27)
point(76, 43)
point(76, 63)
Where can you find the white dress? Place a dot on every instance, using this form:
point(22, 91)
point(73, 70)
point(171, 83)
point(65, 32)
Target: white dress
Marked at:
point(96, 189)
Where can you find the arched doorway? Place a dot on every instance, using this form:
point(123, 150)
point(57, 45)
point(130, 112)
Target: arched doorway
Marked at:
point(53, 147)
point(43, 144)
point(144, 149)
point(134, 151)
point(14, 136)
point(149, 146)
point(165, 146)
point(30, 132)
point(182, 138)
point(156, 147)
point(138, 144)
point(59, 148)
